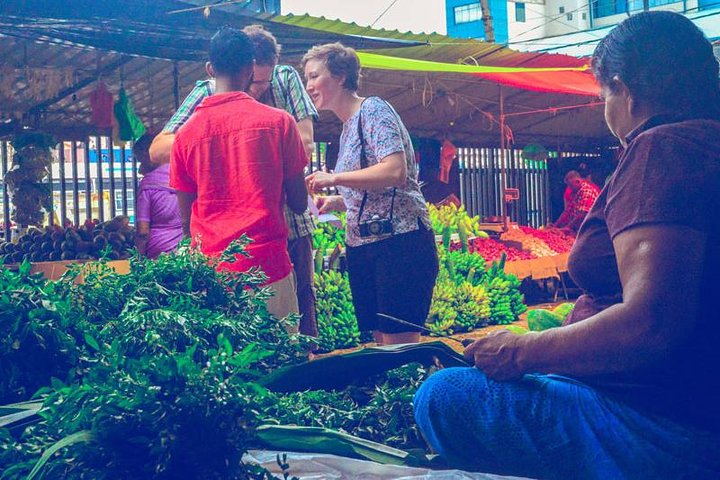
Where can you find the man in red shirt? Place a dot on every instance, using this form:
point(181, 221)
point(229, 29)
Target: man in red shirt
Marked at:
point(233, 163)
point(583, 194)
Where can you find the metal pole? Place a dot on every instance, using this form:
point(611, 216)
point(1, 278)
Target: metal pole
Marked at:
point(88, 182)
point(503, 154)
point(76, 187)
point(176, 85)
point(6, 195)
point(63, 190)
point(100, 189)
point(52, 195)
point(135, 181)
point(123, 178)
point(111, 168)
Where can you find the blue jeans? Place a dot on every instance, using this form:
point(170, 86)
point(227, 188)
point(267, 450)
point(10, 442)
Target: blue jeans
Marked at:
point(552, 427)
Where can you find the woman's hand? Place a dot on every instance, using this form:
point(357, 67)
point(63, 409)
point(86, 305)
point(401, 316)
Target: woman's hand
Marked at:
point(330, 203)
point(317, 181)
point(496, 355)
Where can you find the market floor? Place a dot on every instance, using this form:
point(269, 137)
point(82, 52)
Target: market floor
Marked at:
point(479, 333)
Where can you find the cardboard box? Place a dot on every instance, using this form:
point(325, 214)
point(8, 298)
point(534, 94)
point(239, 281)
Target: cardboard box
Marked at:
point(54, 270)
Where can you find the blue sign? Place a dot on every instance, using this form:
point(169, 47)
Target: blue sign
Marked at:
point(105, 156)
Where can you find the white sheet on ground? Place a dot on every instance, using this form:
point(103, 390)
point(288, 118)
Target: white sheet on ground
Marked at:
point(311, 466)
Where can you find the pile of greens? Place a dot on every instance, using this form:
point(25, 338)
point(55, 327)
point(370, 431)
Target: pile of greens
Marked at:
point(379, 409)
point(157, 371)
point(158, 374)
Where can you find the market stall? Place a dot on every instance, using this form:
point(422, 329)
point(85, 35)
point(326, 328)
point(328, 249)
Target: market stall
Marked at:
point(481, 268)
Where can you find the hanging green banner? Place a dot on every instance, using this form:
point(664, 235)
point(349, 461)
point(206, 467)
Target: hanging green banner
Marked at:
point(383, 62)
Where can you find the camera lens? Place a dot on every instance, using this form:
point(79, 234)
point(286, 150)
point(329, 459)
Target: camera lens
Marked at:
point(375, 228)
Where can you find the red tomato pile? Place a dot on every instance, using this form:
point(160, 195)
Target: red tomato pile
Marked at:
point(492, 250)
point(555, 239)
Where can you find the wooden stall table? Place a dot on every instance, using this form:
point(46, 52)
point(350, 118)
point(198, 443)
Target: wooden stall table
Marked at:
point(55, 270)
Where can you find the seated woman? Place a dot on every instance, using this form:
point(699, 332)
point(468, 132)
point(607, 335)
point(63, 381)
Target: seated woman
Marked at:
point(157, 216)
point(631, 387)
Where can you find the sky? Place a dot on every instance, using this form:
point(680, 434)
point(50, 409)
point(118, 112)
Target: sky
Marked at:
point(419, 16)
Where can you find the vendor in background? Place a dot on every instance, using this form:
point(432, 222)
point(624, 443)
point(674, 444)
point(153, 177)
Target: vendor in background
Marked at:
point(635, 389)
point(278, 86)
point(158, 227)
point(391, 252)
point(580, 195)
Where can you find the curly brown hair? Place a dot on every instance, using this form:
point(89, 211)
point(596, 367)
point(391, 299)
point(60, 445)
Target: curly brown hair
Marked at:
point(339, 60)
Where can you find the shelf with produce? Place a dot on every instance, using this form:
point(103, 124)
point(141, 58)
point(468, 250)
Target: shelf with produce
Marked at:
point(471, 292)
point(52, 249)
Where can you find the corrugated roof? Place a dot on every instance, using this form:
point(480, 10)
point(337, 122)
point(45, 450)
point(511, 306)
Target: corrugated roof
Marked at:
point(462, 107)
point(437, 47)
point(158, 29)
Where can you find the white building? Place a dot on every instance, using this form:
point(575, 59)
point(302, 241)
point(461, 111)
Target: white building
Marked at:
point(574, 27)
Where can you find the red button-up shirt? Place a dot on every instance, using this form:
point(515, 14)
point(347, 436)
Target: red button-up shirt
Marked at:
point(234, 153)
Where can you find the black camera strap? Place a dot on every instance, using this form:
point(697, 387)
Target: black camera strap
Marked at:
point(364, 164)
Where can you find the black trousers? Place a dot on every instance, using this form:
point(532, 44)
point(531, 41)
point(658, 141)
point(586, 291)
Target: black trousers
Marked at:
point(395, 276)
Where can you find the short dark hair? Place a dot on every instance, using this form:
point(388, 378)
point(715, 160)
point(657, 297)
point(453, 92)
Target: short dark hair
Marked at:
point(267, 50)
point(572, 174)
point(665, 61)
point(231, 51)
point(142, 144)
point(339, 60)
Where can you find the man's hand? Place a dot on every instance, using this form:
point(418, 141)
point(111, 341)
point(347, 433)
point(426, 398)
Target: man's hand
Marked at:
point(330, 203)
point(317, 181)
point(496, 355)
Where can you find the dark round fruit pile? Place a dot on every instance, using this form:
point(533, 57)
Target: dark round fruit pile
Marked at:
point(89, 241)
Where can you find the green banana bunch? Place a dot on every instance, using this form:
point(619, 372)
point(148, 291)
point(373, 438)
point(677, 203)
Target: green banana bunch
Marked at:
point(327, 236)
point(337, 324)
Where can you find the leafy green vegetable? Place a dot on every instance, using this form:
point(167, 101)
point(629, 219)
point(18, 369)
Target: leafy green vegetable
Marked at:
point(164, 363)
point(36, 334)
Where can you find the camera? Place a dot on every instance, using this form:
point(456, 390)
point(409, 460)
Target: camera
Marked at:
point(375, 226)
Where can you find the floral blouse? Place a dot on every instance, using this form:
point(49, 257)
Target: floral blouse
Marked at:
point(384, 134)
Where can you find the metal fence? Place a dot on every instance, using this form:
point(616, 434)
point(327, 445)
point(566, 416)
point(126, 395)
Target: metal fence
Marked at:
point(482, 185)
point(91, 179)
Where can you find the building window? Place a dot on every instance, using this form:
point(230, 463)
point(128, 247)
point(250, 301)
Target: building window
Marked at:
point(569, 16)
point(657, 3)
point(467, 13)
point(605, 8)
point(584, 16)
point(562, 9)
point(519, 12)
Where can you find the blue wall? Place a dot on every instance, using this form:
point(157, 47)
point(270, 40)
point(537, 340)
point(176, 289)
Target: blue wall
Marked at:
point(498, 10)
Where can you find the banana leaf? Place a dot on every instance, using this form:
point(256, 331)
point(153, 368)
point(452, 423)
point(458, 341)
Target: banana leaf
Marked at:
point(339, 371)
point(323, 440)
point(18, 414)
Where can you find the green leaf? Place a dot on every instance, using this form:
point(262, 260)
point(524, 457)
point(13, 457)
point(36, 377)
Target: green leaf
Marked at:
point(24, 268)
point(77, 437)
point(339, 371)
point(10, 414)
point(322, 440)
point(92, 342)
